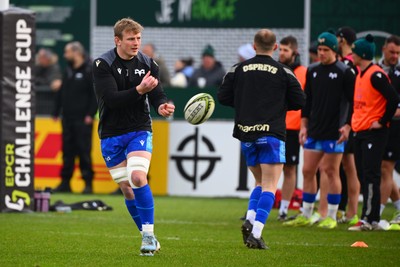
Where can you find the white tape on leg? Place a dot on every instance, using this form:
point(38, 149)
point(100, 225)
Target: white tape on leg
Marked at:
point(137, 164)
point(119, 174)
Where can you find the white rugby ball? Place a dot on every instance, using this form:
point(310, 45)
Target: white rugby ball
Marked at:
point(199, 108)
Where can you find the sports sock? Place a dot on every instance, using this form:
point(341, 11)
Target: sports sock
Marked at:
point(263, 209)
point(382, 209)
point(284, 206)
point(145, 207)
point(308, 204)
point(131, 206)
point(333, 204)
point(253, 202)
point(397, 204)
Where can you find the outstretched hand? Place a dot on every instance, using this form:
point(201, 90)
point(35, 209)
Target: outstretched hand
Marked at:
point(166, 110)
point(147, 84)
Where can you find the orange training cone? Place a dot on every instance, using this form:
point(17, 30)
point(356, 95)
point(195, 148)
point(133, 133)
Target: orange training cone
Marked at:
point(359, 244)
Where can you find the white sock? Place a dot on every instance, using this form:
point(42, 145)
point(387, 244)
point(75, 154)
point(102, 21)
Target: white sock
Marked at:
point(148, 228)
point(332, 210)
point(257, 229)
point(308, 209)
point(382, 208)
point(397, 204)
point(251, 216)
point(284, 206)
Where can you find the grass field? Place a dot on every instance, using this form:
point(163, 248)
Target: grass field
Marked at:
point(192, 232)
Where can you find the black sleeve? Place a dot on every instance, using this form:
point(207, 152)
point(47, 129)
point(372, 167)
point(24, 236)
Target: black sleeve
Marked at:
point(296, 99)
point(92, 103)
point(395, 79)
point(225, 92)
point(107, 90)
point(58, 97)
point(157, 96)
point(305, 112)
point(348, 87)
point(381, 83)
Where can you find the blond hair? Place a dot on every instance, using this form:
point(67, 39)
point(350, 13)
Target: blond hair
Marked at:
point(126, 24)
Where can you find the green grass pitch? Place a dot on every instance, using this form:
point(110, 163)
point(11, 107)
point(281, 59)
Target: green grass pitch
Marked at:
point(192, 232)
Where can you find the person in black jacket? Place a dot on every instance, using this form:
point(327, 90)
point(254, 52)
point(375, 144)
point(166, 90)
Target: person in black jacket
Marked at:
point(261, 90)
point(126, 84)
point(76, 102)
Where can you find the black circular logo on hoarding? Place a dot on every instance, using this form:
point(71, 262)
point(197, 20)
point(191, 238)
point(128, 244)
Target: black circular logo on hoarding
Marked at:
point(192, 175)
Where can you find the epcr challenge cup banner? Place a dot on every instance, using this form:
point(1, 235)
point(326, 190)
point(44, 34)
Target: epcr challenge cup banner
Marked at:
point(17, 105)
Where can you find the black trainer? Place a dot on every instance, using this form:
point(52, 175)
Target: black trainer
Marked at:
point(64, 187)
point(256, 243)
point(282, 217)
point(87, 190)
point(247, 227)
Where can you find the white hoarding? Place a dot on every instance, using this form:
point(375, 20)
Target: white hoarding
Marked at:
point(204, 160)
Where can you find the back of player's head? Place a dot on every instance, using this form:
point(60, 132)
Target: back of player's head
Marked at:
point(265, 40)
point(347, 33)
point(126, 24)
point(364, 47)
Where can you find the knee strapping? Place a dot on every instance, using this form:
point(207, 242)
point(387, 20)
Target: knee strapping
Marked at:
point(137, 164)
point(119, 174)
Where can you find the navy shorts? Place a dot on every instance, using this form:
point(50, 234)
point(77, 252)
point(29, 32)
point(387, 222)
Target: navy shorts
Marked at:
point(115, 149)
point(292, 147)
point(265, 150)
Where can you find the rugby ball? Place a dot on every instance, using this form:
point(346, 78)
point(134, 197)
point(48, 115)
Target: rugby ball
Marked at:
point(199, 108)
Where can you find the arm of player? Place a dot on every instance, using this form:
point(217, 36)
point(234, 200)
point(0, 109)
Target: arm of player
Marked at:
point(344, 132)
point(225, 92)
point(106, 87)
point(303, 131)
point(147, 84)
point(381, 83)
point(166, 110)
point(349, 82)
point(306, 110)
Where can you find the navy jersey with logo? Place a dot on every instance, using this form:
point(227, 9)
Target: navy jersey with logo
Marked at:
point(122, 109)
point(329, 90)
point(261, 90)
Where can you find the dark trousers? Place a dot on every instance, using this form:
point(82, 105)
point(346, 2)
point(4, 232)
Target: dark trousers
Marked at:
point(77, 142)
point(368, 152)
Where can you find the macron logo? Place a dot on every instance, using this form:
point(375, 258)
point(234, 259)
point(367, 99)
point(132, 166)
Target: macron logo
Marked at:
point(140, 72)
point(97, 62)
point(142, 142)
point(119, 70)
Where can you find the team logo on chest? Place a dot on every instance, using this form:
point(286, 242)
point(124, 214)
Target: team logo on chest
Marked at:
point(332, 75)
point(119, 70)
point(139, 72)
